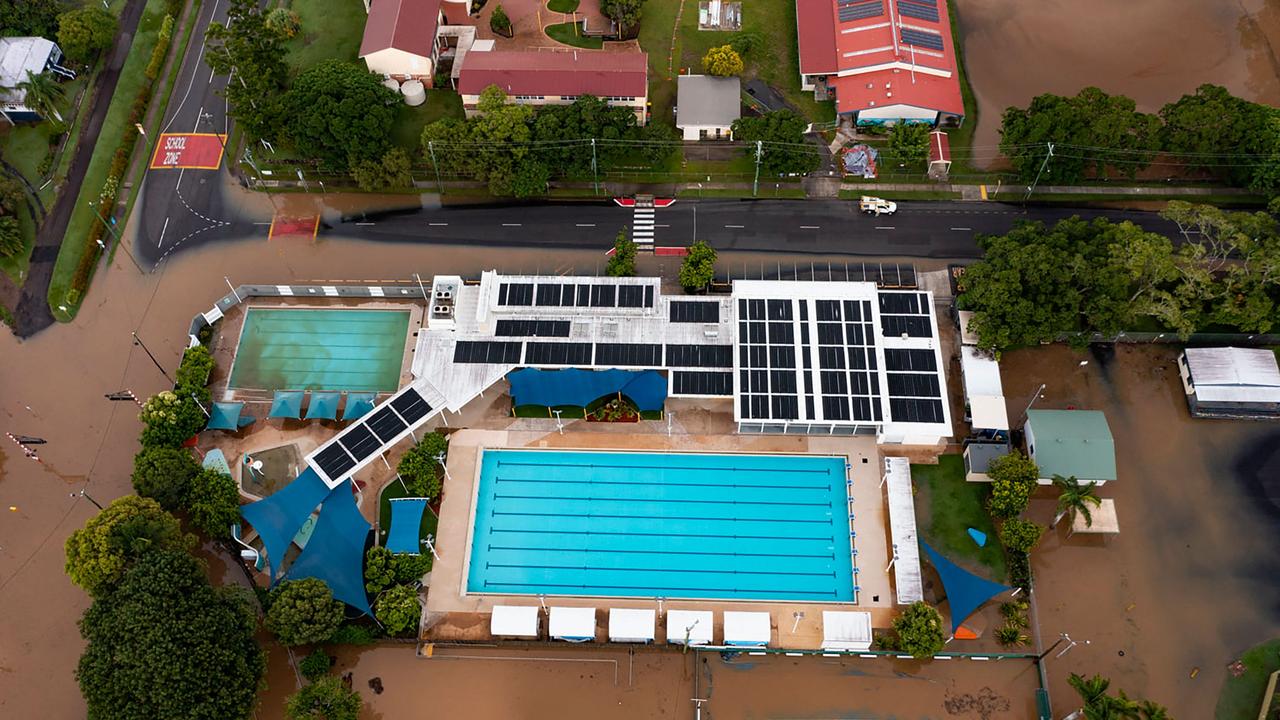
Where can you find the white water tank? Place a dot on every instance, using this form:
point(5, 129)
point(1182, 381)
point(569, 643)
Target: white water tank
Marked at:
point(391, 84)
point(414, 93)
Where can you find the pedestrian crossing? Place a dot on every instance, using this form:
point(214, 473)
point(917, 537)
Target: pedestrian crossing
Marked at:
point(642, 227)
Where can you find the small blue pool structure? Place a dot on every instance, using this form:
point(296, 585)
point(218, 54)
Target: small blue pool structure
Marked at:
point(670, 525)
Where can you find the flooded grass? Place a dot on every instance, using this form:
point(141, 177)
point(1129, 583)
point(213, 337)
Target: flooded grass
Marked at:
point(1242, 696)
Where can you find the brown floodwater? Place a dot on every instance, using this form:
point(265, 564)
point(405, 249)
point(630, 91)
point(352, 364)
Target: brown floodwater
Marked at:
point(1153, 51)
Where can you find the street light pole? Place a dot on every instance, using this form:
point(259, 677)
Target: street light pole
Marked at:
point(138, 341)
point(85, 495)
point(1034, 397)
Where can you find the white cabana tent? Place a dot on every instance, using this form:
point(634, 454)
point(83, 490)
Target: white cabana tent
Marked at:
point(573, 624)
point(691, 627)
point(846, 630)
point(983, 391)
point(631, 625)
point(511, 621)
point(747, 628)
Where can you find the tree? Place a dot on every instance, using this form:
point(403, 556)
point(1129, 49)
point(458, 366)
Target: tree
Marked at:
point(165, 643)
point(213, 502)
point(315, 664)
point(410, 568)
point(43, 94)
point(164, 474)
point(390, 172)
point(398, 609)
point(501, 138)
point(339, 113)
point(1019, 535)
point(626, 13)
point(784, 150)
point(419, 467)
point(99, 553)
point(325, 699)
point(379, 569)
point(722, 61)
point(85, 32)
point(1211, 123)
point(499, 22)
point(172, 418)
point(12, 195)
point(283, 22)
point(30, 17)
point(909, 143)
point(1075, 499)
point(1013, 477)
point(919, 630)
point(246, 49)
point(623, 261)
point(744, 42)
point(303, 612)
point(699, 267)
point(11, 240)
point(1098, 705)
point(446, 144)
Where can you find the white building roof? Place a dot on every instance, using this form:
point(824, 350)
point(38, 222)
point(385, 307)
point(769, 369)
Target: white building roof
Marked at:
point(707, 101)
point(513, 621)
point(18, 56)
point(1104, 519)
point(747, 628)
point(573, 623)
point(631, 624)
point(967, 337)
point(1233, 374)
point(902, 530)
point(846, 630)
point(691, 626)
point(983, 390)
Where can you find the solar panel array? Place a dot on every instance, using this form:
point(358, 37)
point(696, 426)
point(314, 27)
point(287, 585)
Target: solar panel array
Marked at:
point(533, 328)
point(767, 383)
point(361, 441)
point(486, 352)
point(919, 38)
point(702, 383)
point(915, 393)
point(553, 353)
point(919, 9)
point(700, 356)
point(574, 295)
point(850, 11)
point(905, 313)
point(628, 355)
point(849, 384)
point(694, 311)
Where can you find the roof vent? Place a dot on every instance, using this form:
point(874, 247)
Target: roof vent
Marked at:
point(888, 94)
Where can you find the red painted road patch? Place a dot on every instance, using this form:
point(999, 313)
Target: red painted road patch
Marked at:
point(191, 151)
point(282, 226)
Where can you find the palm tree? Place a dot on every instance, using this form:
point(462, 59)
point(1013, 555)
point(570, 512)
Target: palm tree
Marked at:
point(1076, 498)
point(1092, 691)
point(43, 94)
point(1153, 711)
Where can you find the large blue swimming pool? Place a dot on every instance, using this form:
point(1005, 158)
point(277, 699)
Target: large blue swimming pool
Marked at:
point(763, 527)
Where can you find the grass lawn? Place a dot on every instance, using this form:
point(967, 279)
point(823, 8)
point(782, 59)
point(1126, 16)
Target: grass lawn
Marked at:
point(562, 6)
point(331, 30)
point(410, 121)
point(949, 506)
point(131, 81)
point(568, 34)
point(961, 138)
point(391, 492)
point(1241, 697)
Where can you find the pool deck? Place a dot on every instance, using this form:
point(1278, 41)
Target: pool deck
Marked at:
point(452, 615)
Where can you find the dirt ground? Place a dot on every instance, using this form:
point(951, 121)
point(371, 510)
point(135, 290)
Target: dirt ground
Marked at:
point(1151, 50)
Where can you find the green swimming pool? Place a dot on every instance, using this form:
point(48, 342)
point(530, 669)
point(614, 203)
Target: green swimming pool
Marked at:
point(320, 349)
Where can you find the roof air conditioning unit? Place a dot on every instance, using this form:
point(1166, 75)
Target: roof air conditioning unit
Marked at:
point(888, 94)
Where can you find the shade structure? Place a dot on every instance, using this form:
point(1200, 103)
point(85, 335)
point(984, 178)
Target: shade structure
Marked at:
point(323, 406)
point(689, 627)
point(287, 404)
point(549, 388)
point(631, 625)
point(279, 517)
point(846, 630)
point(406, 519)
point(573, 624)
point(751, 629)
point(226, 416)
point(358, 405)
point(335, 553)
point(966, 592)
point(514, 621)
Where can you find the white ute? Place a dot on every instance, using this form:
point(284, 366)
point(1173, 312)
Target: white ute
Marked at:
point(877, 206)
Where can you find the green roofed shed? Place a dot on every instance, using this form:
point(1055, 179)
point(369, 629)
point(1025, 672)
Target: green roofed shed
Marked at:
point(323, 406)
point(1071, 443)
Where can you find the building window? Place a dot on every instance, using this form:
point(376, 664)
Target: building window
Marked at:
point(528, 98)
point(619, 98)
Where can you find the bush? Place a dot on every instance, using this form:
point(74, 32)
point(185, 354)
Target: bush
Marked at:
point(390, 172)
point(303, 612)
point(744, 42)
point(1020, 569)
point(1013, 479)
point(1011, 635)
point(161, 49)
point(1020, 535)
point(353, 635)
point(623, 261)
point(1014, 613)
point(499, 22)
point(398, 610)
point(172, 417)
point(699, 267)
point(197, 365)
point(99, 553)
point(164, 474)
point(324, 699)
point(722, 61)
point(283, 22)
point(919, 630)
point(419, 468)
point(86, 31)
point(314, 666)
point(379, 569)
point(213, 503)
point(410, 568)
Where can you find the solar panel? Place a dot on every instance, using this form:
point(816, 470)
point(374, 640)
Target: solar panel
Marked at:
point(861, 11)
point(584, 296)
point(543, 353)
point(918, 11)
point(359, 441)
point(515, 294)
point(920, 360)
point(911, 410)
point(411, 406)
point(549, 294)
point(630, 296)
point(702, 383)
point(533, 328)
point(913, 385)
point(648, 296)
point(709, 356)
point(483, 352)
point(909, 325)
point(918, 38)
point(604, 296)
point(386, 424)
point(694, 311)
point(334, 461)
point(900, 303)
point(628, 354)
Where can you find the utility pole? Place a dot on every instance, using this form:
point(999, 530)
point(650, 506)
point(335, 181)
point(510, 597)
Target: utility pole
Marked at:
point(431, 148)
point(755, 188)
point(594, 174)
point(1034, 397)
point(1031, 188)
point(138, 341)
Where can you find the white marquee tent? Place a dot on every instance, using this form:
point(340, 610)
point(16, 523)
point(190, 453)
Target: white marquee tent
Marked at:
point(510, 621)
point(573, 624)
point(631, 625)
point(846, 630)
point(747, 628)
point(689, 626)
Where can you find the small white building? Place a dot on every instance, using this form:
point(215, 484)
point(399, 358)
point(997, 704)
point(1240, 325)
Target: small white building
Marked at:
point(20, 57)
point(983, 394)
point(632, 625)
point(402, 37)
point(1231, 382)
point(707, 106)
point(1071, 443)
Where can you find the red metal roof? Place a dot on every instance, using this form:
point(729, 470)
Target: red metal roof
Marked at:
point(939, 147)
point(580, 72)
point(408, 25)
point(816, 27)
point(895, 87)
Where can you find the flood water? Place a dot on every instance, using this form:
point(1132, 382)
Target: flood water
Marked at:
point(1153, 51)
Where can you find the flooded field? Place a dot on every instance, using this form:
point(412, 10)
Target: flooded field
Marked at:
point(1151, 50)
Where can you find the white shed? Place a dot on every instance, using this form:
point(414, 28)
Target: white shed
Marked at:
point(689, 627)
point(512, 621)
point(751, 629)
point(846, 630)
point(631, 625)
point(1231, 382)
point(983, 392)
point(573, 624)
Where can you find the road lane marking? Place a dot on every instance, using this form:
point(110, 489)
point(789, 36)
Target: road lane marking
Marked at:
point(160, 242)
point(810, 227)
point(962, 228)
point(366, 223)
point(884, 227)
point(437, 224)
point(510, 224)
point(736, 227)
point(662, 225)
point(584, 224)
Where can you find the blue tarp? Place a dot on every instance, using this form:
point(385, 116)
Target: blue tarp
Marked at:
point(965, 591)
point(226, 416)
point(335, 553)
point(406, 521)
point(358, 405)
point(323, 406)
point(287, 404)
point(548, 388)
point(278, 518)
